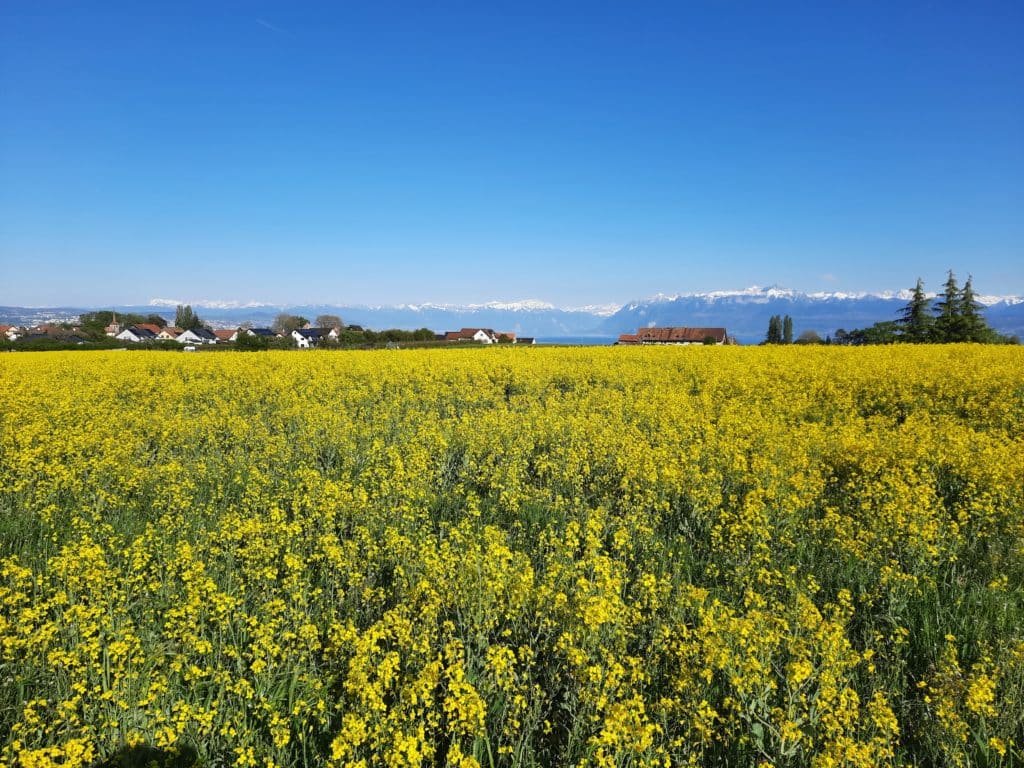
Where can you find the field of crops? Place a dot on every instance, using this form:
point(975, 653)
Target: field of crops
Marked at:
point(514, 557)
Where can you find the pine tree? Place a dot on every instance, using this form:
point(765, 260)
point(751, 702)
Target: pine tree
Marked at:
point(915, 320)
point(948, 324)
point(973, 325)
point(787, 330)
point(774, 330)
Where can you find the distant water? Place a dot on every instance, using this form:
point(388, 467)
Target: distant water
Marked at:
point(585, 341)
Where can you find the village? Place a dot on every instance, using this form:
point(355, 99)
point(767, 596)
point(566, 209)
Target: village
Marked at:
point(306, 337)
point(310, 337)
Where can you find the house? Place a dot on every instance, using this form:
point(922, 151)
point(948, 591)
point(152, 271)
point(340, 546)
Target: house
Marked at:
point(169, 333)
point(197, 336)
point(136, 334)
point(226, 334)
point(309, 337)
point(628, 338)
point(526, 340)
point(10, 332)
point(151, 327)
point(115, 327)
point(481, 335)
point(680, 335)
point(266, 333)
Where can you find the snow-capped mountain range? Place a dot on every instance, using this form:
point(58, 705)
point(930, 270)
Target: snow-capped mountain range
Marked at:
point(744, 313)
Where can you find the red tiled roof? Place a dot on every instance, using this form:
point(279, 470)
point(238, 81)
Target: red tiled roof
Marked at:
point(151, 327)
point(680, 335)
point(629, 338)
point(224, 334)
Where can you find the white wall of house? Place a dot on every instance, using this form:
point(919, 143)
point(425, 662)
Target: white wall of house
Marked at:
point(300, 341)
point(187, 337)
point(127, 335)
point(482, 336)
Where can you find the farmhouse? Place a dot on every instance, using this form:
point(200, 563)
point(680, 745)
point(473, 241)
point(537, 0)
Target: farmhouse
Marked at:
point(481, 335)
point(678, 335)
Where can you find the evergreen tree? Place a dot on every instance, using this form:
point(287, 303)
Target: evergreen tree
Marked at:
point(973, 325)
point(915, 321)
point(774, 330)
point(948, 325)
point(787, 330)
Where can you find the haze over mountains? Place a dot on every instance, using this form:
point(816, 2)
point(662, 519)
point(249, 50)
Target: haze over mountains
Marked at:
point(744, 313)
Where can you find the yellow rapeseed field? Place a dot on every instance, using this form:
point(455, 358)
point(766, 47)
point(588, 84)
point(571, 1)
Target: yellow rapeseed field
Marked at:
point(514, 557)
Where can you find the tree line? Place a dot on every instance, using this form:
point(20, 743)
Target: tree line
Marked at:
point(954, 316)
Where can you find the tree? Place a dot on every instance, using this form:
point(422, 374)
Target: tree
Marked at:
point(186, 319)
point(156, 319)
point(774, 335)
point(809, 337)
point(948, 325)
point(285, 323)
point(972, 323)
point(328, 321)
point(787, 330)
point(915, 320)
point(886, 332)
point(250, 342)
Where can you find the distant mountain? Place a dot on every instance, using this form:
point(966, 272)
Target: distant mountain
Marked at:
point(744, 313)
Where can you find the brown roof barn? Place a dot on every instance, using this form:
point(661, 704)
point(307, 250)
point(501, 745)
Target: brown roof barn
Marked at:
point(680, 335)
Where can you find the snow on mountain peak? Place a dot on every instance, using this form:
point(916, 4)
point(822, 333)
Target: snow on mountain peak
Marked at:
point(757, 295)
point(209, 303)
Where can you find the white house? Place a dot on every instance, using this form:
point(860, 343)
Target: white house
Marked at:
point(482, 335)
point(135, 334)
point(10, 332)
point(197, 336)
point(169, 333)
point(309, 337)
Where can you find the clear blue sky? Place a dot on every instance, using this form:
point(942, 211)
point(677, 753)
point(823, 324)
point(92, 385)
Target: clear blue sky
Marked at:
point(573, 152)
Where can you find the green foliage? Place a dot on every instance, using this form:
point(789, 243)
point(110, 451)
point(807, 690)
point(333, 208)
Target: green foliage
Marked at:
point(94, 324)
point(247, 342)
point(916, 320)
point(958, 318)
point(809, 337)
point(186, 319)
point(780, 330)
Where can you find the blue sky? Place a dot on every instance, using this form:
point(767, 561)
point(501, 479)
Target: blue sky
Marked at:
point(572, 152)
